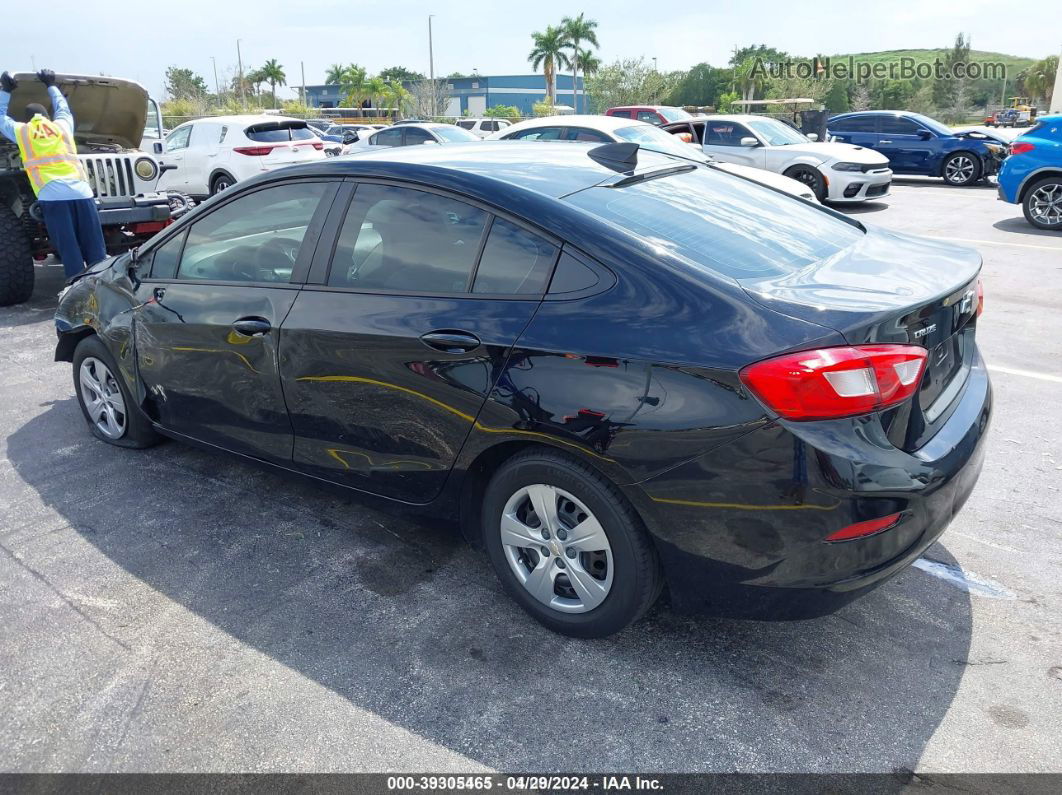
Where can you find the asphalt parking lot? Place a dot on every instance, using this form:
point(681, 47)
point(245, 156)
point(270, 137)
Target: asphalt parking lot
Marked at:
point(168, 610)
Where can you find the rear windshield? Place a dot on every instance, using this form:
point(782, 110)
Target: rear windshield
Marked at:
point(722, 223)
point(274, 132)
point(674, 114)
point(449, 132)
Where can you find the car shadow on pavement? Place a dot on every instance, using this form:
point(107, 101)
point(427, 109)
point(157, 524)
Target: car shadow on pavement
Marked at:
point(861, 208)
point(937, 182)
point(401, 619)
point(1018, 225)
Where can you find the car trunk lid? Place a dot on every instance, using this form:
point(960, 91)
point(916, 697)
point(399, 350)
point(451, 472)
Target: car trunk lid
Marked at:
point(900, 289)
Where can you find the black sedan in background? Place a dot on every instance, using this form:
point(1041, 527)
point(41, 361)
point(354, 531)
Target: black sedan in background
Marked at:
point(618, 370)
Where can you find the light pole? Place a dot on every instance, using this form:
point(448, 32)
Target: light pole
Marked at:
point(431, 66)
point(239, 60)
point(217, 85)
point(654, 63)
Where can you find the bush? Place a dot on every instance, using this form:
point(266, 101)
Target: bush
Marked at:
point(502, 112)
point(543, 108)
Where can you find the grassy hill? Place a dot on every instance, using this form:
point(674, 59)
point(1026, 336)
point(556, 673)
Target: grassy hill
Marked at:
point(1013, 63)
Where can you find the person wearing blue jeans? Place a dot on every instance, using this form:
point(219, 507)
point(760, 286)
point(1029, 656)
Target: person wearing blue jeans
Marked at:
point(57, 177)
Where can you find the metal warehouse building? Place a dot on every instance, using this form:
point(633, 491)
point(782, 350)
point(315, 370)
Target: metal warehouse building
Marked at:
point(476, 94)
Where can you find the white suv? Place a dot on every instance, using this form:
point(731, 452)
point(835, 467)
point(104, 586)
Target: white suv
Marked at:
point(481, 128)
point(215, 153)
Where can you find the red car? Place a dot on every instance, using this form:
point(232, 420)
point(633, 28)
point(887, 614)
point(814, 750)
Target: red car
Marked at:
point(654, 114)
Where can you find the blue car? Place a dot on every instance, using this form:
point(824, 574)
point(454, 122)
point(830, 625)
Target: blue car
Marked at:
point(917, 144)
point(1032, 175)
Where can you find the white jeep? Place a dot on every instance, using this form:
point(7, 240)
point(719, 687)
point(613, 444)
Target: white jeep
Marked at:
point(109, 116)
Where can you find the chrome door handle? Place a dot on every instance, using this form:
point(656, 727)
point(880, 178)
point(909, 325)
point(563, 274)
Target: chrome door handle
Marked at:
point(252, 326)
point(884, 142)
point(450, 341)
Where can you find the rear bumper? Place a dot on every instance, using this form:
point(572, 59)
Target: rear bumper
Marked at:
point(741, 531)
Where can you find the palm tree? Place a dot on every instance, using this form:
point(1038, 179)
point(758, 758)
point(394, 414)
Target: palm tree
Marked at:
point(335, 74)
point(375, 87)
point(353, 84)
point(549, 54)
point(397, 97)
point(255, 78)
point(273, 73)
point(1038, 81)
point(576, 31)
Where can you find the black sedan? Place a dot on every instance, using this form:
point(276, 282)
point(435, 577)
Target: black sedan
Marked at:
point(617, 370)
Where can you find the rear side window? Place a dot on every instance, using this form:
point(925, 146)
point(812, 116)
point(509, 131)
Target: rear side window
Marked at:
point(273, 132)
point(387, 138)
point(466, 124)
point(514, 261)
point(540, 134)
point(571, 276)
point(854, 124)
point(583, 134)
point(718, 223)
point(407, 240)
point(621, 114)
point(897, 125)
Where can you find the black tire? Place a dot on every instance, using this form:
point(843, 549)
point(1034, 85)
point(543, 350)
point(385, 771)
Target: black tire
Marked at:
point(138, 432)
point(810, 177)
point(1048, 188)
point(636, 578)
point(221, 182)
point(16, 260)
point(962, 177)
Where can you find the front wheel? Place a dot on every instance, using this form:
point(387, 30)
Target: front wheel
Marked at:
point(16, 260)
point(961, 169)
point(567, 546)
point(810, 177)
point(105, 401)
point(1042, 204)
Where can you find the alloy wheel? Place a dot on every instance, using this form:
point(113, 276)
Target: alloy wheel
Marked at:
point(102, 398)
point(1045, 204)
point(959, 170)
point(557, 548)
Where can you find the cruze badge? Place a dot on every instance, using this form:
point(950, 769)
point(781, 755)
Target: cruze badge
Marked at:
point(919, 333)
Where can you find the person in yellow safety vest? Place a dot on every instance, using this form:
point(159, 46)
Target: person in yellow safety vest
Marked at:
point(49, 156)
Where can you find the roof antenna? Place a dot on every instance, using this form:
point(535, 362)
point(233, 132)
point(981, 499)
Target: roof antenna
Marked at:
point(621, 157)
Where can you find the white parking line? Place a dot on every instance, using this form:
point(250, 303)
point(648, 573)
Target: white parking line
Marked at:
point(1057, 379)
point(997, 243)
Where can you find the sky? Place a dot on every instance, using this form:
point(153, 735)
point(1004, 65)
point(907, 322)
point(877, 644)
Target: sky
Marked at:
point(139, 40)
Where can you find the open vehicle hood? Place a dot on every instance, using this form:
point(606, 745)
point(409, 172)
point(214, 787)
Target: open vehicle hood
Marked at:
point(107, 110)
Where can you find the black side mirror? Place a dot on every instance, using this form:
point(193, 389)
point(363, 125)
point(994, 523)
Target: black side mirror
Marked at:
point(158, 147)
point(350, 137)
point(925, 135)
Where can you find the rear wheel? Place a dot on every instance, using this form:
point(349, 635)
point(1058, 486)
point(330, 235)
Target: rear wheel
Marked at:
point(221, 182)
point(16, 260)
point(961, 169)
point(567, 545)
point(1042, 204)
point(105, 401)
point(810, 177)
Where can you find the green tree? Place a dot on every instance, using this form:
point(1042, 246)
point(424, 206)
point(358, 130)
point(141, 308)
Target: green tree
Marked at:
point(949, 93)
point(836, 99)
point(766, 54)
point(335, 74)
point(273, 73)
point(588, 63)
point(1038, 81)
point(184, 84)
point(350, 79)
point(725, 102)
point(548, 53)
point(399, 73)
point(630, 81)
point(543, 108)
point(375, 87)
point(700, 86)
point(576, 31)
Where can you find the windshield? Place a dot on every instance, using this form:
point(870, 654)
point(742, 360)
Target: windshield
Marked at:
point(448, 132)
point(674, 114)
point(932, 124)
point(723, 225)
point(656, 140)
point(775, 133)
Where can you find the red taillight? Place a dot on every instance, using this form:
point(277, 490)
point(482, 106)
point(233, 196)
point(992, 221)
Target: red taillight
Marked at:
point(1021, 147)
point(254, 151)
point(980, 297)
point(318, 146)
point(837, 382)
point(864, 529)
